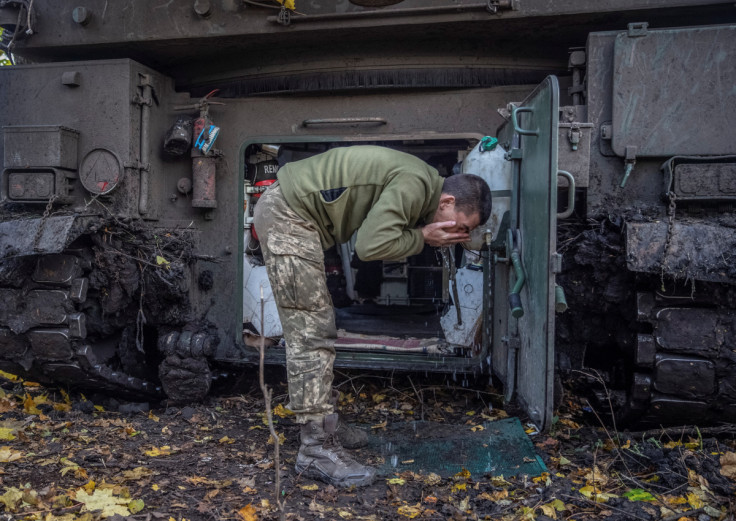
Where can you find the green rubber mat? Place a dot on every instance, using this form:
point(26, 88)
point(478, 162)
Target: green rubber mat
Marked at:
point(501, 448)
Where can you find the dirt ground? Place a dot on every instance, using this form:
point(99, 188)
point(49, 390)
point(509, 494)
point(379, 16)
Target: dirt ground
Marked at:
point(66, 456)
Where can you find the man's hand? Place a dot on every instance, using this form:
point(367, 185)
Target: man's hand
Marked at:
point(441, 234)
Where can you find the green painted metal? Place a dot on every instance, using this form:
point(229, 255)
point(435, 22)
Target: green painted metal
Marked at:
point(535, 220)
point(500, 448)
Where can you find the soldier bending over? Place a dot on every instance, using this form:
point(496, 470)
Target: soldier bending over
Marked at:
point(397, 203)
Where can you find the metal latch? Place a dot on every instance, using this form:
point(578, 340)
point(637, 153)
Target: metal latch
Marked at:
point(638, 29)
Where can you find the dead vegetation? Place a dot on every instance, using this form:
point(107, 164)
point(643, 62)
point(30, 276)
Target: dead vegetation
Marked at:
point(67, 457)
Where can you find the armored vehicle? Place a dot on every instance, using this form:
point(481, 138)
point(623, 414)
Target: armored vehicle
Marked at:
point(138, 136)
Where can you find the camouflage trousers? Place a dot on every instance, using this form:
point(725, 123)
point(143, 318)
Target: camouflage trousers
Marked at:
point(295, 266)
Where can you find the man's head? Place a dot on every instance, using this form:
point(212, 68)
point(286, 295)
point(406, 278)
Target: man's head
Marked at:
point(465, 199)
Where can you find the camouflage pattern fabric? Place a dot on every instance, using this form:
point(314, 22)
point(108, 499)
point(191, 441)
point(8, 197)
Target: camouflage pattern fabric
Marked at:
point(295, 265)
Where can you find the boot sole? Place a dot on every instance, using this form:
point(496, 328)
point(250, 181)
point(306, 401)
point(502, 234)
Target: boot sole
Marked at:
point(312, 472)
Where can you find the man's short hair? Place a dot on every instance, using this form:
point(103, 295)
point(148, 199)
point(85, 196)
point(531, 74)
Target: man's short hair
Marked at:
point(471, 193)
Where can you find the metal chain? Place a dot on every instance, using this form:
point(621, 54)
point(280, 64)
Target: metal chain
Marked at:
point(670, 231)
point(42, 223)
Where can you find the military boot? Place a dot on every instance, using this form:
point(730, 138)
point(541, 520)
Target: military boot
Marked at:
point(350, 436)
point(322, 457)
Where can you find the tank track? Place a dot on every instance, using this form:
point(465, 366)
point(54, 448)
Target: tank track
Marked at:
point(44, 304)
point(90, 317)
point(648, 356)
point(684, 364)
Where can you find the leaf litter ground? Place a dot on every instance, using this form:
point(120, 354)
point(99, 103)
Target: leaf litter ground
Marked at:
point(68, 456)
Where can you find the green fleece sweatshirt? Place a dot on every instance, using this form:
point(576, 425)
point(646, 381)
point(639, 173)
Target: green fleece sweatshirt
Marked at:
point(382, 193)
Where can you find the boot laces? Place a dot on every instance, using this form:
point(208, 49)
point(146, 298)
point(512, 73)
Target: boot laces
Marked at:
point(332, 443)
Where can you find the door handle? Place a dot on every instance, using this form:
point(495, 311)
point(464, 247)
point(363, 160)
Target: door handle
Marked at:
point(344, 121)
point(515, 121)
point(570, 195)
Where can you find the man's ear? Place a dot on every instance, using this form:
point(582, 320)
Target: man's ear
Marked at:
point(447, 201)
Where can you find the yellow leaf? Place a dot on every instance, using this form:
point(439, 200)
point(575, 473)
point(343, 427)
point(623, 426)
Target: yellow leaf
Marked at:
point(7, 455)
point(457, 487)
point(90, 486)
point(229, 440)
point(407, 461)
point(344, 514)
point(155, 487)
point(282, 439)
point(378, 398)
point(595, 494)
point(162, 262)
point(136, 506)
point(29, 405)
point(7, 434)
point(156, 451)
point(558, 505)
point(463, 474)
point(11, 498)
point(248, 513)
point(569, 423)
point(152, 416)
point(477, 428)
point(694, 501)
point(281, 411)
point(549, 511)
point(498, 481)
point(100, 408)
point(396, 481)
point(104, 500)
point(564, 460)
point(8, 376)
point(309, 487)
point(289, 4)
point(470, 413)
point(410, 512)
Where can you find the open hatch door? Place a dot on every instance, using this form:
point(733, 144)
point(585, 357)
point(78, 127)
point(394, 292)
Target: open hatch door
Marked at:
point(526, 281)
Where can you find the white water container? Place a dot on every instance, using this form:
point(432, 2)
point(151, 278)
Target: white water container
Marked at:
point(496, 171)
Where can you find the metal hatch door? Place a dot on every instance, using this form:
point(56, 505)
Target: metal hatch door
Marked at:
point(531, 140)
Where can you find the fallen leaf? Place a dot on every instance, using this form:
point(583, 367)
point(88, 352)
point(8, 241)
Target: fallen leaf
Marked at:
point(7, 455)
point(282, 439)
point(281, 411)
point(344, 514)
point(638, 494)
point(463, 474)
point(137, 473)
point(549, 511)
point(152, 416)
point(381, 425)
point(409, 511)
point(432, 479)
point(309, 487)
point(728, 465)
point(156, 451)
point(7, 434)
point(136, 506)
point(595, 494)
point(10, 498)
point(29, 405)
point(229, 440)
point(694, 501)
point(104, 500)
point(396, 481)
point(477, 428)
